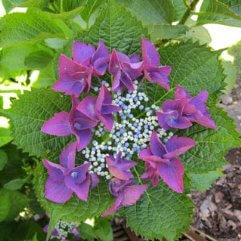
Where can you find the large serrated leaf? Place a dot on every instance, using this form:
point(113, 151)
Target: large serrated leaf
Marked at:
point(214, 11)
point(27, 116)
point(235, 5)
point(117, 28)
point(74, 210)
point(211, 145)
point(160, 213)
point(194, 66)
point(33, 25)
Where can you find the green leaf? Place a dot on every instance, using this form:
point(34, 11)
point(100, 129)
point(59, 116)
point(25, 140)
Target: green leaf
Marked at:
point(103, 229)
point(15, 184)
point(214, 11)
point(194, 66)
point(86, 231)
point(11, 204)
point(3, 159)
point(38, 59)
point(231, 75)
point(55, 43)
point(158, 32)
point(33, 25)
point(74, 210)
point(117, 28)
point(235, 5)
point(27, 116)
point(211, 145)
point(10, 4)
point(202, 181)
point(151, 11)
point(5, 136)
point(160, 213)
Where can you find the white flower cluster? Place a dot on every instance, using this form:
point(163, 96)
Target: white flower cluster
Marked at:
point(63, 229)
point(131, 131)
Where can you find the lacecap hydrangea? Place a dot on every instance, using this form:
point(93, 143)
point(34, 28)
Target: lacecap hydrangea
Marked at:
point(115, 127)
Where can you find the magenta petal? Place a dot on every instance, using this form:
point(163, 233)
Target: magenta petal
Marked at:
point(67, 156)
point(72, 77)
point(145, 153)
point(100, 59)
point(87, 107)
point(158, 75)
point(149, 53)
point(172, 174)
point(134, 58)
point(115, 206)
point(107, 120)
point(179, 123)
point(156, 146)
point(82, 52)
point(132, 194)
point(82, 189)
point(204, 120)
point(58, 125)
point(181, 93)
point(94, 180)
point(114, 64)
point(108, 109)
point(57, 191)
point(55, 171)
point(83, 138)
point(178, 145)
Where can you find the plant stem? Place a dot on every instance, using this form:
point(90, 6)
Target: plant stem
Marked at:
point(188, 11)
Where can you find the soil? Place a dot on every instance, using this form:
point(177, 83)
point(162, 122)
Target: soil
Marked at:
point(218, 210)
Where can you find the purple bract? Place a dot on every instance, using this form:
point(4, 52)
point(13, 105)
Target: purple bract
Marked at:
point(184, 109)
point(124, 70)
point(161, 160)
point(75, 74)
point(126, 193)
point(65, 179)
point(153, 71)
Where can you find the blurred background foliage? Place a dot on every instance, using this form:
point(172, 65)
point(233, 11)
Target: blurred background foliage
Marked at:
point(33, 35)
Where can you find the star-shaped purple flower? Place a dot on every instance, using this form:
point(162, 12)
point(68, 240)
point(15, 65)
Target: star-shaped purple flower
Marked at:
point(153, 71)
point(120, 168)
point(162, 160)
point(72, 123)
point(185, 109)
point(124, 69)
point(100, 108)
point(64, 179)
point(126, 193)
point(75, 74)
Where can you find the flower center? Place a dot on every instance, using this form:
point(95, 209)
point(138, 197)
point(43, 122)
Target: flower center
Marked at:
point(77, 125)
point(74, 174)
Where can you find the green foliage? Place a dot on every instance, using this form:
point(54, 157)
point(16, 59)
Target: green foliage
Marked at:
point(160, 213)
point(28, 115)
point(74, 210)
point(101, 230)
point(3, 159)
point(14, 184)
point(11, 204)
point(211, 145)
point(214, 11)
point(235, 5)
point(117, 28)
point(202, 181)
point(33, 25)
point(231, 75)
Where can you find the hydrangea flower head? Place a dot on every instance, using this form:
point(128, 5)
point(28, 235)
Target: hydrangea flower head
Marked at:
point(184, 109)
point(153, 71)
point(124, 70)
point(126, 193)
point(64, 179)
point(162, 159)
point(75, 74)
